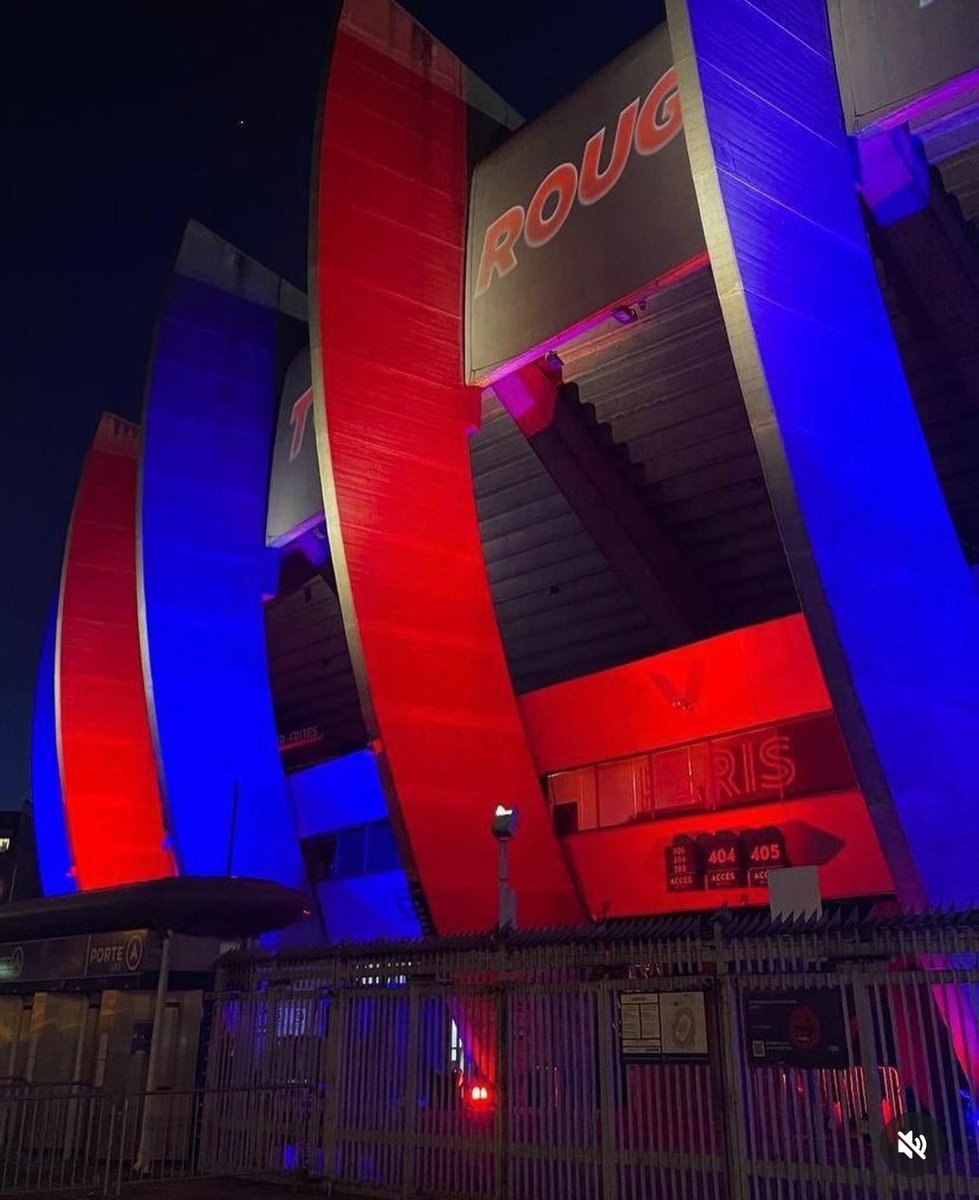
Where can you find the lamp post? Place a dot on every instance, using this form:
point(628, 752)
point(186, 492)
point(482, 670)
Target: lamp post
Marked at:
point(145, 1153)
point(503, 828)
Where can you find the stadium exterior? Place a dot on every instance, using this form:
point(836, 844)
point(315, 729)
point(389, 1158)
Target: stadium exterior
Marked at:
point(622, 467)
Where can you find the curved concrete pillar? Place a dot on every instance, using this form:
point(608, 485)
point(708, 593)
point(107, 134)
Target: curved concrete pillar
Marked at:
point(54, 856)
point(109, 779)
point(203, 567)
point(882, 578)
point(392, 424)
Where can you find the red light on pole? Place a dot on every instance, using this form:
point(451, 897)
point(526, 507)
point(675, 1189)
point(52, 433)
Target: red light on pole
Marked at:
point(480, 1096)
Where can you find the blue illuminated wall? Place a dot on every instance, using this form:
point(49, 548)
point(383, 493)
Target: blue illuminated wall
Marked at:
point(203, 566)
point(341, 810)
point(344, 791)
point(50, 825)
point(877, 563)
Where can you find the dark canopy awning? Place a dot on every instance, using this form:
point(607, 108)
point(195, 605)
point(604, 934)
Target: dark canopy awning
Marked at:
point(198, 905)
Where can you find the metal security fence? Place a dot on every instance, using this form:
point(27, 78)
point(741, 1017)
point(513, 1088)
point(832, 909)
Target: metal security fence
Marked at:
point(680, 1058)
point(677, 1058)
point(60, 1139)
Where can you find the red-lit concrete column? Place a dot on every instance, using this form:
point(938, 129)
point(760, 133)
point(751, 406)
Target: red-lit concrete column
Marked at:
point(108, 771)
point(392, 424)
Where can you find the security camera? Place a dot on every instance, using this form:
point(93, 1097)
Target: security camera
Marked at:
point(504, 823)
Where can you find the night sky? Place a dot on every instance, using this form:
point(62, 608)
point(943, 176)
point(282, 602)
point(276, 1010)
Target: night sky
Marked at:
point(121, 119)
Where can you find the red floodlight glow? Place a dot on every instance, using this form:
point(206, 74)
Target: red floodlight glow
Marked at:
point(398, 476)
point(109, 779)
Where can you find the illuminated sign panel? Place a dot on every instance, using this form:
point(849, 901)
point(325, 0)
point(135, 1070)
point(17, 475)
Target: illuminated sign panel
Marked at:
point(764, 851)
point(295, 496)
point(804, 1028)
point(662, 866)
point(774, 762)
point(128, 952)
point(890, 53)
point(584, 207)
point(724, 860)
point(700, 824)
point(684, 865)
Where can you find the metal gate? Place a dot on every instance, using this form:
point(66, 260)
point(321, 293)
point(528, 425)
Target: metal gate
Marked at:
point(908, 1047)
point(679, 1058)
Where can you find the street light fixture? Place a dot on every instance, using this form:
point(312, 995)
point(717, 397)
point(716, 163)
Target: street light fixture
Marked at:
point(503, 828)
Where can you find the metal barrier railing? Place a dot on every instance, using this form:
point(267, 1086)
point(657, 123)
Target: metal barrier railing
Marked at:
point(753, 1065)
point(720, 1061)
point(78, 1140)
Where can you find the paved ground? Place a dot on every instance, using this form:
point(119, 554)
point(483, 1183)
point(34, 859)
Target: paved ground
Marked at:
point(218, 1189)
point(194, 1189)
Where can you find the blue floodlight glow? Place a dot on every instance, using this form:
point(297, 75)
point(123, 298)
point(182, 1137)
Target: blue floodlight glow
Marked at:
point(891, 604)
point(203, 568)
point(334, 796)
point(368, 908)
point(50, 821)
point(345, 791)
point(894, 175)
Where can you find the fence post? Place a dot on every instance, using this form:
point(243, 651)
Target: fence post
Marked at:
point(731, 1063)
point(108, 1152)
point(122, 1144)
point(503, 1097)
point(606, 1092)
point(335, 1023)
point(411, 1091)
point(146, 1130)
point(870, 1065)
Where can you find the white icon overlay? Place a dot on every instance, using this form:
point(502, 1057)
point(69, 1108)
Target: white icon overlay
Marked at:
point(910, 1145)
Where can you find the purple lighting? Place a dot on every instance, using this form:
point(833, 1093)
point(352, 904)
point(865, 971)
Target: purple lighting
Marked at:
point(894, 176)
point(923, 106)
point(697, 263)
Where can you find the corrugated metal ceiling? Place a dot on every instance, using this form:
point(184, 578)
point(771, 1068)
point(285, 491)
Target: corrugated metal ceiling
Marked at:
point(561, 610)
point(312, 679)
point(665, 389)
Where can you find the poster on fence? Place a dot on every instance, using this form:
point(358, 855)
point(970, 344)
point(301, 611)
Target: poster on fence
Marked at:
point(799, 1028)
point(662, 1026)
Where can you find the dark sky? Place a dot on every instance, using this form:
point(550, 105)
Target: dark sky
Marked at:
point(121, 119)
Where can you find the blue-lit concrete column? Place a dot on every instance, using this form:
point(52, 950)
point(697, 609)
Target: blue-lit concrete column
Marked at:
point(882, 578)
point(202, 563)
point(54, 856)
